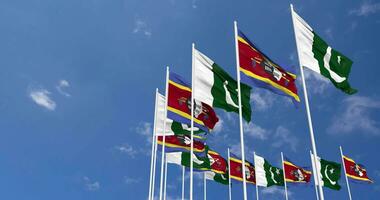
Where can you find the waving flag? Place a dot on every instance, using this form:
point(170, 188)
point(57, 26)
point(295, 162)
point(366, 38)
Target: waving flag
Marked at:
point(329, 173)
point(259, 70)
point(266, 174)
point(219, 168)
point(295, 174)
point(181, 143)
point(179, 105)
point(217, 88)
point(318, 56)
point(236, 171)
point(200, 163)
point(355, 171)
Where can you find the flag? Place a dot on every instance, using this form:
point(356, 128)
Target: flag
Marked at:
point(266, 174)
point(179, 105)
point(315, 54)
point(259, 70)
point(236, 171)
point(217, 88)
point(329, 173)
point(200, 163)
point(219, 168)
point(295, 174)
point(181, 143)
point(355, 171)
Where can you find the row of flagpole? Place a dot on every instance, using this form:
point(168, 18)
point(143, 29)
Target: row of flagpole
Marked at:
point(162, 191)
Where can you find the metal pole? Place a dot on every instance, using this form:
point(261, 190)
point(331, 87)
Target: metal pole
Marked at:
point(166, 177)
point(240, 111)
point(345, 173)
point(204, 186)
point(192, 122)
point(257, 187)
point(163, 137)
point(283, 170)
point(307, 109)
point(315, 176)
point(183, 182)
point(151, 184)
point(229, 176)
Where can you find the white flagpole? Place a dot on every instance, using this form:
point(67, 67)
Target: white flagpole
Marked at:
point(307, 108)
point(151, 184)
point(183, 182)
point(154, 166)
point(204, 186)
point(345, 173)
point(192, 121)
point(229, 176)
point(257, 187)
point(240, 111)
point(164, 131)
point(315, 176)
point(283, 170)
point(166, 177)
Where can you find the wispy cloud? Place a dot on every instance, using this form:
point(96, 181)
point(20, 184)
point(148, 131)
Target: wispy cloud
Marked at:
point(142, 28)
point(255, 131)
point(316, 83)
point(194, 4)
point(274, 191)
point(283, 137)
point(356, 115)
point(366, 8)
point(145, 129)
point(219, 126)
point(261, 100)
point(91, 185)
point(329, 33)
point(62, 84)
point(127, 149)
point(130, 180)
point(42, 98)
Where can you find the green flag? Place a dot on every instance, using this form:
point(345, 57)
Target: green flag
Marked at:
point(329, 172)
point(220, 178)
point(317, 55)
point(266, 174)
point(215, 87)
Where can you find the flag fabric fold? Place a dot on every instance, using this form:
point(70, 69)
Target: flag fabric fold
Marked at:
point(181, 143)
point(200, 163)
point(259, 70)
point(329, 173)
point(217, 88)
point(179, 105)
point(295, 174)
point(320, 57)
point(219, 168)
point(355, 171)
point(236, 171)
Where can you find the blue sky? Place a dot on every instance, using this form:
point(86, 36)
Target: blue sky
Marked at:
point(78, 78)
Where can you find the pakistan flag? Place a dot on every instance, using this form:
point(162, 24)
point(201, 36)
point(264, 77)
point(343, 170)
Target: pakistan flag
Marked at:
point(317, 55)
point(215, 87)
point(329, 173)
point(266, 174)
point(220, 178)
point(183, 158)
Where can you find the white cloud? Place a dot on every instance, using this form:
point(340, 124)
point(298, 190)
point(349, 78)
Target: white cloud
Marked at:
point(194, 4)
point(219, 126)
point(91, 185)
point(356, 115)
point(283, 137)
point(62, 84)
point(255, 131)
point(127, 149)
point(129, 180)
point(41, 97)
point(141, 27)
point(145, 129)
point(329, 33)
point(366, 8)
point(274, 190)
point(262, 100)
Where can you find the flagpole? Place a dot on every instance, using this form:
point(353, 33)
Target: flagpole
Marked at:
point(192, 121)
point(164, 131)
point(166, 177)
point(345, 173)
point(314, 148)
point(257, 187)
point(240, 111)
point(154, 166)
point(314, 176)
point(229, 176)
point(283, 170)
point(204, 186)
point(153, 143)
point(183, 182)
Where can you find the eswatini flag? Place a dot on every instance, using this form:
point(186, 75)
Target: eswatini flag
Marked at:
point(259, 70)
point(355, 171)
point(296, 174)
point(179, 105)
point(174, 143)
point(236, 171)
